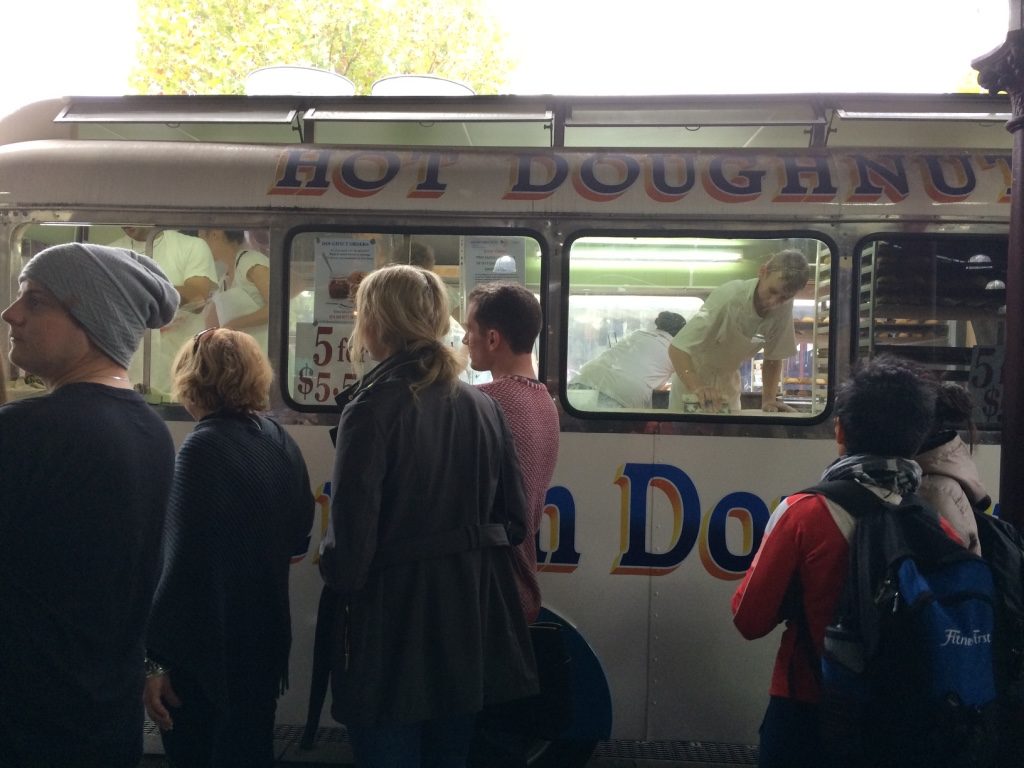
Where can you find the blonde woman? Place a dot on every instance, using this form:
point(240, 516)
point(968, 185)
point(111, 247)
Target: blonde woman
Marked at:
point(240, 507)
point(427, 506)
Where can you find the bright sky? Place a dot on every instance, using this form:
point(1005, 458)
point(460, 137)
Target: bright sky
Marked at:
point(62, 48)
point(57, 48)
point(750, 46)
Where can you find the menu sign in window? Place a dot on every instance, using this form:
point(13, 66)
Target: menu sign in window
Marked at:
point(486, 259)
point(340, 265)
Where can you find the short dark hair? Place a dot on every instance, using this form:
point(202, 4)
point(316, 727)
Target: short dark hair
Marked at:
point(234, 235)
point(954, 408)
point(511, 310)
point(670, 322)
point(421, 255)
point(886, 408)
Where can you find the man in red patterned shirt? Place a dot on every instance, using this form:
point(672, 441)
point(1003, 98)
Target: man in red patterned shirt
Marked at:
point(502, 323)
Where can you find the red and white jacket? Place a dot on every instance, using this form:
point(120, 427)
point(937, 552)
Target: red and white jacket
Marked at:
point(806, 536)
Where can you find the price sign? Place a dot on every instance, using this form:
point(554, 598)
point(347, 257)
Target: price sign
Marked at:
point(986, 384)
point(323, 362)
point(340, 264)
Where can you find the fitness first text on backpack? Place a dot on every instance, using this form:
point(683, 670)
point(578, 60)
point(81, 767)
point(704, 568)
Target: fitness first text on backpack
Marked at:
point(922, 662)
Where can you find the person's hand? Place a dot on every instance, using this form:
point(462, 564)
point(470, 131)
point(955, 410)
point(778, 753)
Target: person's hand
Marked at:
point(777, 406)
point(709, 399)
point(157, 694)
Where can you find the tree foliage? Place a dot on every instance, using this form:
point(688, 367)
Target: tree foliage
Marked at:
point(968, 83)
point(209, 46)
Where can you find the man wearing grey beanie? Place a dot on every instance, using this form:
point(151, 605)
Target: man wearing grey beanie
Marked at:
point(85, 477)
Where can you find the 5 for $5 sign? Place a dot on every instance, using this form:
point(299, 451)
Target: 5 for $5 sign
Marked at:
point(323, 362)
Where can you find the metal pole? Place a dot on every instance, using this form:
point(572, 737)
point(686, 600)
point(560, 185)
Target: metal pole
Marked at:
point(1003, 70)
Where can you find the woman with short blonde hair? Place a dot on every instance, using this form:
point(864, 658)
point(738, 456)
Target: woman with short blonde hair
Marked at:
point(240, 507)
point(222, 369)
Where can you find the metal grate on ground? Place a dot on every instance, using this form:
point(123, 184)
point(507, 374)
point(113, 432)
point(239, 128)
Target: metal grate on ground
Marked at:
point(331, 747)
point(688, 752)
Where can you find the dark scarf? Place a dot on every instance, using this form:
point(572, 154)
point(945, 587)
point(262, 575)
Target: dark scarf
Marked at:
point(892, 473)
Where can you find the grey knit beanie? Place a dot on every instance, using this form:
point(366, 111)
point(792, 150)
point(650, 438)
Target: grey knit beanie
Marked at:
point(115, 293)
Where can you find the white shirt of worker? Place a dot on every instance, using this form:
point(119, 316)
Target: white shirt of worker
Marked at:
point(242, 297)
point(629, 371)
point(180, 257)
point(725, 332)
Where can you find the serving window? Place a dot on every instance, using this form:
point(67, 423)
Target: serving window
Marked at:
point(326, 268)
point(628, 296)
point(222, 277)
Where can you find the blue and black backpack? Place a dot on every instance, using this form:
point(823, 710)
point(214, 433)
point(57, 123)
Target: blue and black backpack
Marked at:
point(923, 660)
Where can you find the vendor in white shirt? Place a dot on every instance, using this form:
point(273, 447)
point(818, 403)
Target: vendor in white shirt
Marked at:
point(626, 374)
point(243, 301)
point(737, 320)
point(188, 264)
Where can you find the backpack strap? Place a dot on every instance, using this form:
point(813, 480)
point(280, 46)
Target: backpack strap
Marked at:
point(848, 494)
point(856, 501)
point(871, 545)
point(866, 565)
point(1003, 549)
